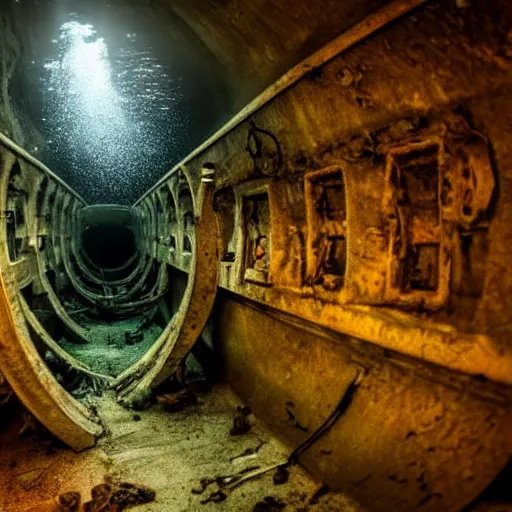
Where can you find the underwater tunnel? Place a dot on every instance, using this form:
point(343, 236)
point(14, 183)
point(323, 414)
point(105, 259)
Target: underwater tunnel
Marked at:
point(254, 255)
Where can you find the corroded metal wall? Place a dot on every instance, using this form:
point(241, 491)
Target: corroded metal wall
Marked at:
point(371, 199)
point(376, 187)
point(411, 437)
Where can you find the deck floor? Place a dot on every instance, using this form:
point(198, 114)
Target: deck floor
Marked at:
point(171, 453)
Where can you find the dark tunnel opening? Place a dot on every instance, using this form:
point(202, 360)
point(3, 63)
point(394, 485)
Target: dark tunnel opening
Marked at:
point(109, 245)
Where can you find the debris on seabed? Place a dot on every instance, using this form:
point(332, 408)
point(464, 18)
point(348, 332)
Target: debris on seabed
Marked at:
point(226, 484)
point(223, 482)
point(116, 496)
point(248, 452)
point(110, 496)
point(175, 402)
point(241, 423)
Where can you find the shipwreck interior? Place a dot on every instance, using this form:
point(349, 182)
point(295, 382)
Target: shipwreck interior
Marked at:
point(254, 255)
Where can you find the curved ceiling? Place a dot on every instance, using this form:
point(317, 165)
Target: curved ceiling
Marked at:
point(256, 41)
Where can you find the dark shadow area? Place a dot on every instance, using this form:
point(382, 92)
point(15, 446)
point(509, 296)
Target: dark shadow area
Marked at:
point(109, 245)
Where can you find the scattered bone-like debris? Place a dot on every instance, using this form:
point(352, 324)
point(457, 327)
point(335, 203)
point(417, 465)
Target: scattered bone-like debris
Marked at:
point(281, 476)
point(223, 483)
point(248, 452)
point(226, 484)
point(109, 496)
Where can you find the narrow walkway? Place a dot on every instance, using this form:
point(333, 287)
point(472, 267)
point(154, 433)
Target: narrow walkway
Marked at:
point(169, 452)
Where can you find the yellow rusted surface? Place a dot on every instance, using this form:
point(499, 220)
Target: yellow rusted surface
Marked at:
point(365, 230)
point(410, 439)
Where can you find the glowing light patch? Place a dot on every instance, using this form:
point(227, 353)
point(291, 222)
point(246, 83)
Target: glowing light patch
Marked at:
point(108, 116)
